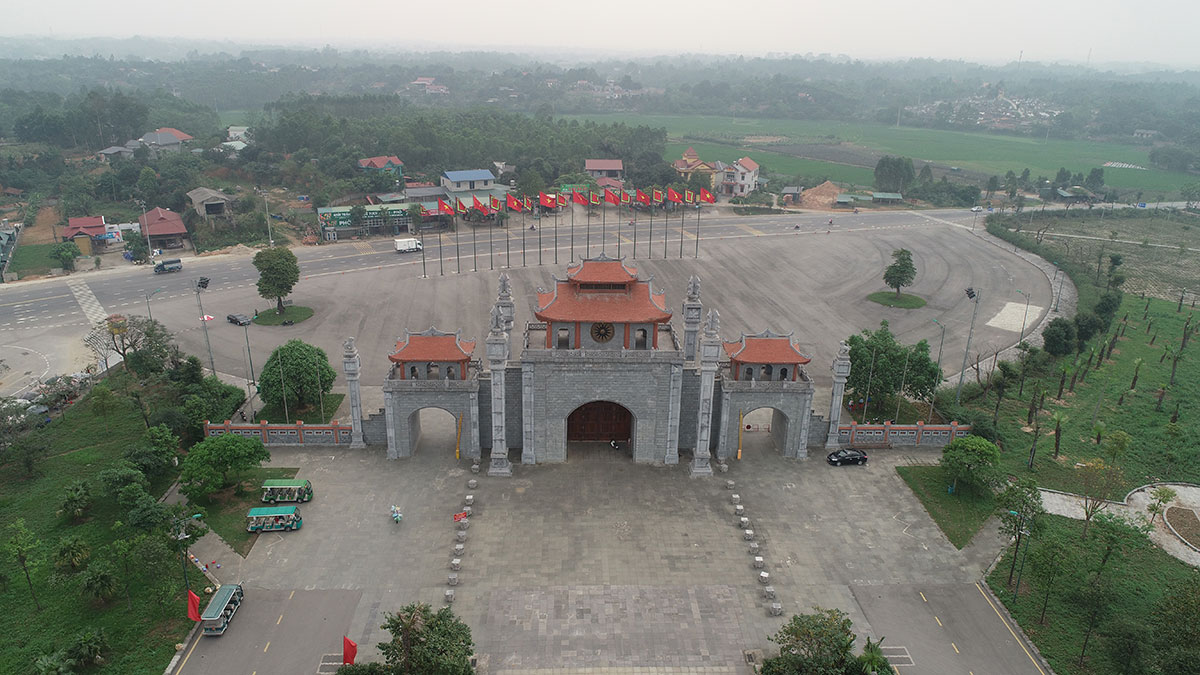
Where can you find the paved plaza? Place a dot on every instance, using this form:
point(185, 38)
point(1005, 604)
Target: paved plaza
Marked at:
point(601, 563)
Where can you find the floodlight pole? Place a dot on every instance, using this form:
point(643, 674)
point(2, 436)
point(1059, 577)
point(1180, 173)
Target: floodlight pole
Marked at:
point(941, 342)
point(200, 305)
point(148, 296)
point(967, 351)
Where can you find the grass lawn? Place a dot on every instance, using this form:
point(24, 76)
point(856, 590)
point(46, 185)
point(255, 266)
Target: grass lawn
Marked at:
point(31, 259)
point(295, 313)
point(227, 509)
point(142, 638)
point(1139, 581)
point(904, 301)
point(310, 414)
point(960, 515)
point(989, 153)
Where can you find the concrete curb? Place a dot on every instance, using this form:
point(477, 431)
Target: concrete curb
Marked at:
point(179, 654)
point(1016, 627)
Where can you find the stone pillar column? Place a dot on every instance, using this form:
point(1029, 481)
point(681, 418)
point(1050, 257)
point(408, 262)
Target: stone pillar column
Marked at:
point(497, 356)
point(709, 356)
point(528, 455)
point(351, 367)
point(672, 454)
point(691, 318)
point(505, 302)
point(389, 418)
point(841, 372)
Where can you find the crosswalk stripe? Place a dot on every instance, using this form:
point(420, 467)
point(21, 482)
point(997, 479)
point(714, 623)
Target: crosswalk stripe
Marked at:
point(91, 307)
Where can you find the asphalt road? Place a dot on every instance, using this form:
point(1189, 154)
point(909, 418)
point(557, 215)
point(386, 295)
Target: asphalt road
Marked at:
point(275, 631)
point(759, 271)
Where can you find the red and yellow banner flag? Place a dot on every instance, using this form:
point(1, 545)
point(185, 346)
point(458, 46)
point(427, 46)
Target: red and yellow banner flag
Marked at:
point(462, 208)
point(657, 196)
point(625, 198)
point(578, 198)
point(689, 196)
point(445, 208)
point(528, 203)
point(611, 197)
point(595, 198)
point(496, 203)
point(514, 204)
point(673, 195)
point(478, 204)
point(562, 199)
point(425, 213)
point(706, 196)
point(643, 197)
point(546, 200)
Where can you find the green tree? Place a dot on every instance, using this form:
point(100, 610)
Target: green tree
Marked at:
point(65, 253)
point(1059, 418)
point(901, 272)
point(118, 476)
point(872, 658)
point(1019, 506)
point(427, 642)
point(212, 463)
point(894, 174)
point(926, 175)
point(25, 550)
point(278, 273)
point(153, 454)
point(76, 502)
point(103, 403)
point(297, 374)
point(971, 459)
point(136, 244)
point(1116, 445)
point(1097, 481)
point(881, 366)
point(1050, 558)
point(99, 582)
point(1058, 337)
point(1095, 600)
point(1127, 644)
point(147, 185)
point(530, 183)
point(821, 642)
point(358, 214)
point(1176, 623)
point(72, 553)
point(29, 451)
point(1160, 497)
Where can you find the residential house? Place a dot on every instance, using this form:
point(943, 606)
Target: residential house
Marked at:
point(163, 229)
point(232, 148)
point(791, 195)
point(463, 181)
point(886, 197)
point(164, 139)
point(209, 202)
point(736, 180)
point(88, 232)
point(12, 192)
point(691, 164)
point(237, 133)
point(114, 152)
point(604, 168)
point(382, 164)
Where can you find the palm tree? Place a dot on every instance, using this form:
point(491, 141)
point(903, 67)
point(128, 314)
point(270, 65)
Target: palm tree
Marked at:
point(100, 583)
point(72, 553)
point(1064, 369)
point(872, 658)
point(1060, 418)
point(1137, 365)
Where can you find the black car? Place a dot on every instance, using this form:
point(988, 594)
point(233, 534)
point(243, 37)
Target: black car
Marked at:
point(238, 319)
point(847, 456)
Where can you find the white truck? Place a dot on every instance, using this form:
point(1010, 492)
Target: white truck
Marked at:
point(407, 245)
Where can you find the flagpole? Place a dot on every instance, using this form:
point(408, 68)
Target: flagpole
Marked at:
point(572, 229)
point(588, 238)
point(682, 227)
point(508, 248)
point(441, 266)
point(666, 234)
point(491, 264)
point(697, 233)
point(522, 237)
point(539, 246)
point(619, 225)
point(633, 218)
point(603, 226)
point(557, 213)
point(650, 234)
point(457, 248)
point(421, 231)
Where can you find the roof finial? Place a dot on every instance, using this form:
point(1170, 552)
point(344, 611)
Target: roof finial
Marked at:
point(712, 323)
point(693, 289)
point(505, 287)
point(497, 325)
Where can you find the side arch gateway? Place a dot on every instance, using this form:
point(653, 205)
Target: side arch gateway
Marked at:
point(791, 403)
point(403, 399)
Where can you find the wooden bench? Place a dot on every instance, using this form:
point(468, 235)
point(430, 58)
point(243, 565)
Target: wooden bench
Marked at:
point(876, 445)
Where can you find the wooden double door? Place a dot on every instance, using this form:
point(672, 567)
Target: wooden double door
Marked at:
point(600, 421)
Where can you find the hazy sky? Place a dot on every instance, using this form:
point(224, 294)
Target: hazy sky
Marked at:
point(1160, 31)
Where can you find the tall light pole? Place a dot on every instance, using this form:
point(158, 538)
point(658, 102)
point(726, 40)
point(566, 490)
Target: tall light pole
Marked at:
point(148, 296)
point(201, 284)
point(973, 295)
point(941, 342)
point(267, 210)
point(1025, 317)
point(248, 354)
point(181, 523)
point(1062, 275)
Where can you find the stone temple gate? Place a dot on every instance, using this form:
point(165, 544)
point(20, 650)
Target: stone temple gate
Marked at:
point(601, 363)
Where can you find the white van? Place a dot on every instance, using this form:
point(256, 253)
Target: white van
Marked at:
point(407, 245)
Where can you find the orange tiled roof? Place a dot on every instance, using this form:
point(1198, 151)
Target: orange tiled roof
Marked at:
point(638, 303)
point(766, 347)
point(432, 345)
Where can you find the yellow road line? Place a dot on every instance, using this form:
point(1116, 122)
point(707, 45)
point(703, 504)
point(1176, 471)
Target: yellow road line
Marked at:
point(29, 302)
point(1010, 630)
point(279, 619)
point(937, 620)
point(188, 655)
point(922, 596)
point(266, 646)
point(751, 230)
point(291, 595)
point(955, 648)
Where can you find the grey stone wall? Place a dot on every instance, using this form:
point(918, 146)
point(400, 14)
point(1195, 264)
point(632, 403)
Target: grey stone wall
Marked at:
point(818, 431)
point(791, 423)
point(689, 407)
point(406, 397)
point(512, 403)
point(375, 429)
point(485, 410)
point(286, 434)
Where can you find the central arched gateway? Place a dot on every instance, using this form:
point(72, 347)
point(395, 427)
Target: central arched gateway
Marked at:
point(600, 421)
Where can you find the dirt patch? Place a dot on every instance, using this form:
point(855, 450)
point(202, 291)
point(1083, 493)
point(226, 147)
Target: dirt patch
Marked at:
point(821, 196)
point(1186, 523)
point(42, 231)
point(764, 139)
point(237, 249)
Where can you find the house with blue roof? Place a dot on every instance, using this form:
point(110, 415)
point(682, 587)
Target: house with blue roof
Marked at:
point(465, 181)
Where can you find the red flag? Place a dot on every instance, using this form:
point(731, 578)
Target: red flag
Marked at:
point(495, 203)
point(425, 212)
point(546, 200)
point(611, 197)
point(193, 606)
point(445, 208)
point(595, 198)
point(478, 204)
point(706, 196)
point(689, 196)
point(514, 204)
point(528, 203)
point(643, 197)
point(578, 198)
point(625, 198)
point(349, 651)
point(673, 195)
point(462, 208)
point(562, 199)
point(657, 197)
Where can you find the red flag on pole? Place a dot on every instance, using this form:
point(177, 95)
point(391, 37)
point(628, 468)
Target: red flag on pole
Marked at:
point(514, 204)
point(706, 196)
point(656, 196)
point(595, 198)
point(625, 198)
point(193, 606)
point(425, 212)
point(462, 208)
point(643, 197)
point(496, 203)
point(528, 203)
point(562, 199)
point(578, 198)
point(445, 208)
point(689, 196)
point(478, 204)
point(349, 651)
point(673, 195)
point(611, 197)
point(546, 200)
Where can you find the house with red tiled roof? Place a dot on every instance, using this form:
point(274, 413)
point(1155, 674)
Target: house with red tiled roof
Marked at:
point(86, 231)
point(163, 229)
point(691, 164)
point(432, 355)
point(736, 180)
point(765, 356)
point(382, 164)
point(604, 168)
point(174, 132)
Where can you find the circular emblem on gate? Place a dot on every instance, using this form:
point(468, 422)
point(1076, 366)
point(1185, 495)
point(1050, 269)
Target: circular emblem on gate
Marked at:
point(602, 332)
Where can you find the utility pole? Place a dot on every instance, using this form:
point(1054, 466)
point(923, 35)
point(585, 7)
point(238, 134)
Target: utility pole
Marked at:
point(267, 210)
point(249, 355)
point(939, 366)
point(201, 284)
point(973, 295)
point(148, 296)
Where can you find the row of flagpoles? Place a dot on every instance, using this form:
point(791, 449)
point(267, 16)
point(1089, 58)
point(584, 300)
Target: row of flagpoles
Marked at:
point(558, 199)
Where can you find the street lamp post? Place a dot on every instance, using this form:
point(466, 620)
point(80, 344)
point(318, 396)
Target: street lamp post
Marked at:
point(200, 285)
point(1025, 317)
point(148, 296)
point(1021, 570)
point(973, 295)
point(181, 524)
point(1062, 275)
point(267, 210)
point(941, 342)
